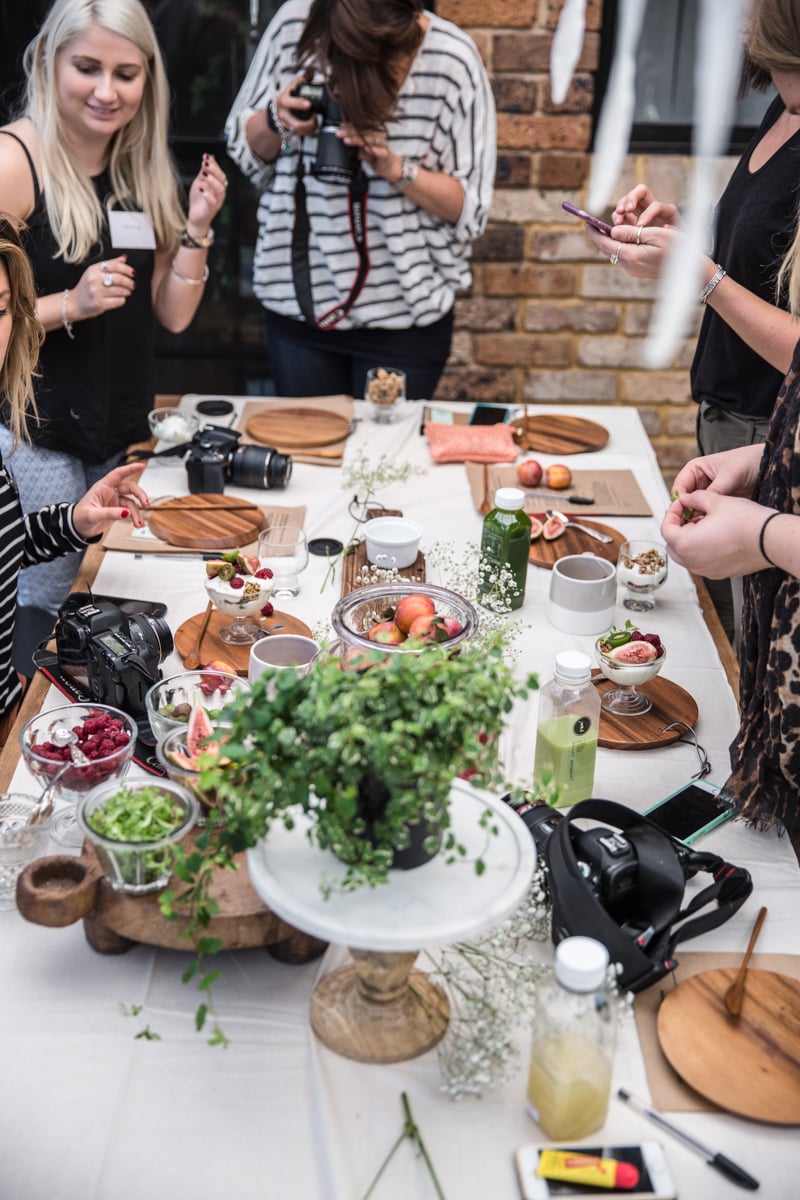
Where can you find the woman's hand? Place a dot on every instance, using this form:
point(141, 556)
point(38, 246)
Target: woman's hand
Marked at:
point(640, 250)
point(206, 196)
point(102, 287)
point(373, 148)
point(294, 113)
point(729, 473)
point(640, 207)
point(721, 539)
point(115, 497)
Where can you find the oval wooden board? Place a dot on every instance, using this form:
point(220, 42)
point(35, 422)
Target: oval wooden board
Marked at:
point(207, 521)
point(748, 1064)
point(297, 428)
point(213, 646)
point(671, 703)
point(551, 433)
point(573, 541)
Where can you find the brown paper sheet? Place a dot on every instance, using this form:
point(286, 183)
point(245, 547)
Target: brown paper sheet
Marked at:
point(122, 536)
point(323, 456)
point(615, 493)
point(669, 1093)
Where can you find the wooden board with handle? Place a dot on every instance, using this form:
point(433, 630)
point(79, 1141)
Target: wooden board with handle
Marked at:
point(671, 703)
point(554, 433)
point(297, 428)
point(574, 541)
point(213, 648)
point(207, 521)
point(748, 1064)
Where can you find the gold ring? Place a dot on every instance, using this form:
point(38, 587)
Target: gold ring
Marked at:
point(614, 258)
point(108, 279)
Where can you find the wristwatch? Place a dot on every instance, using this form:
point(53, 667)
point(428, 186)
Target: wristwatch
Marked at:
point(408, 174)
point(197, 243)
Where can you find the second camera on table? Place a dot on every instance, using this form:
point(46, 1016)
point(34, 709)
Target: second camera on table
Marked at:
point(215, 458)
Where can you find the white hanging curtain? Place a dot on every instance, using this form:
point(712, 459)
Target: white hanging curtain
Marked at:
point(566, 48)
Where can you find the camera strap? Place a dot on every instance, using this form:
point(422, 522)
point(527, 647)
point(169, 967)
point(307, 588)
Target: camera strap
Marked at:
point(172, 452)
point(357, 204)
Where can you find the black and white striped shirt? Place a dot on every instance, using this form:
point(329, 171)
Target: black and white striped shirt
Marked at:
point(417, 261)
point(24, 541)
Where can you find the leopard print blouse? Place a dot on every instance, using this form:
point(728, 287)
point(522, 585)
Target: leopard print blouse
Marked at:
point(765, 755)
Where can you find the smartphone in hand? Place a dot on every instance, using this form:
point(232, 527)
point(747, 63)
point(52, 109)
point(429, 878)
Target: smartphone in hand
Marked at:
point(595, 222)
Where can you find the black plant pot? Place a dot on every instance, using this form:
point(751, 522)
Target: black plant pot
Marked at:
point(373, 797)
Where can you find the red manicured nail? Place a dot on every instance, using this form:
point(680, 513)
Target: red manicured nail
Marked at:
point(126, 512)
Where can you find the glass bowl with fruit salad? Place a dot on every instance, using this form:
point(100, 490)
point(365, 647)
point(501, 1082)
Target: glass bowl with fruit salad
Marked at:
point(186, 752)
point(74, 748)
point(132, 826)
point(629, 658)
point(238, 586)
point(400, 617)
point(170, 702)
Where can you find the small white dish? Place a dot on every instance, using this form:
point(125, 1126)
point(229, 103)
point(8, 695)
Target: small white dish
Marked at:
point(392, 541)
point(172, 425)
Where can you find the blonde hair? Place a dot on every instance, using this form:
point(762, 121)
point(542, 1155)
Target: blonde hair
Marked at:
point(18, 368)
point(141, 168)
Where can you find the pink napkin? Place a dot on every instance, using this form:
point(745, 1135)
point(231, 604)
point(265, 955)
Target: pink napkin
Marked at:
point(470, 443)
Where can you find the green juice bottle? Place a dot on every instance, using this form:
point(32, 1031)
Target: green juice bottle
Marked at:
point(566, 735)
point(506, 540)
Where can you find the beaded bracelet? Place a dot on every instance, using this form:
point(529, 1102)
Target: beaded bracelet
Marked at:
point(65, 321)
point(764, 554)
point(277, 126)
point(188, 278)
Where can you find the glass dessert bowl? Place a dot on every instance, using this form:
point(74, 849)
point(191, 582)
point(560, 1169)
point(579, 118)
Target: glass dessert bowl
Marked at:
point(403, 618)
point(641, 569)
point(628, 664)
point(169, 702)
point(239, 587)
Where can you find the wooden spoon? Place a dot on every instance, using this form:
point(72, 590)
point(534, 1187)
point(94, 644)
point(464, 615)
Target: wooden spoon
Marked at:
point(192, 660)
point(735, 993)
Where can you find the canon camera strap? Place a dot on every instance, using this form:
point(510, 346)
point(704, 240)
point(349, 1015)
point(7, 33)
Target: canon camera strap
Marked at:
point(357, 205)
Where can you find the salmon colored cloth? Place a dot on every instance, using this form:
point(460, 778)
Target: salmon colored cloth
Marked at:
point(470, 443)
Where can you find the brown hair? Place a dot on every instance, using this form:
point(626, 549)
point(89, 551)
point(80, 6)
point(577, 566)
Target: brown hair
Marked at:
point(18, 369)
point(773, 43)
point(356, 44)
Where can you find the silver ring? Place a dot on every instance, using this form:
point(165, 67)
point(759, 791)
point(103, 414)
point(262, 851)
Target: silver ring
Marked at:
point(614, 258)
point(108, 279)
point(638, 235)
point(103, 266)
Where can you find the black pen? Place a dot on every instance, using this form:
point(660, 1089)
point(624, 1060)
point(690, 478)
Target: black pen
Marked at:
point(718, 1161)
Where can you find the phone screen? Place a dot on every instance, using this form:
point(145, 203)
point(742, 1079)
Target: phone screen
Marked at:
point(691, 811)
point(488, 414)
point(654, 1178)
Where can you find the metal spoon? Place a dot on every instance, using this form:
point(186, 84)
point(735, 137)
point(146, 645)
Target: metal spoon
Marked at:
point(735, 993)
point(595, 533)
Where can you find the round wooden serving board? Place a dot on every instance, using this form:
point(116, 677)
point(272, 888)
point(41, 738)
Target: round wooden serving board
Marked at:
point(207, 521)
point(573, 541)
point(671, 703)
point(297, 428)
point(748, 1064)
point(555, 434)
point(213, 647)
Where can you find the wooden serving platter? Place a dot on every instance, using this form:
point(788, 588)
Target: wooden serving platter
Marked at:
point(552, 433)
point(213, 647)
point(750, 1064)
point(297, 428)
point(671, 703)
point(207, 521)
point(574, 541)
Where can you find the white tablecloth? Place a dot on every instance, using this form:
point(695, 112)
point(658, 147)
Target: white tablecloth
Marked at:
point(89, 1112)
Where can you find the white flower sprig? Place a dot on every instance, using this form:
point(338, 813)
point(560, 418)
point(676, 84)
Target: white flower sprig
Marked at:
point(461, 569)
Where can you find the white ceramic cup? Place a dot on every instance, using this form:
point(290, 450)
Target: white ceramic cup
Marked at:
point(283, 652)
point(392, 541)
point(583, 592)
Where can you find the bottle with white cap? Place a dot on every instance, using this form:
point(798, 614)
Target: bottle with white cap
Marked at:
point(574, 1037)
point(506, 541)
point(566, 733)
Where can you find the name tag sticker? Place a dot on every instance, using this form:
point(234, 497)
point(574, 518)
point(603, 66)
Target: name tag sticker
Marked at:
point(130, 230)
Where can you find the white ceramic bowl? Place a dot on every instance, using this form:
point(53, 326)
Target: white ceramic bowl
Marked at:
point(172, 425)
point(392, 541)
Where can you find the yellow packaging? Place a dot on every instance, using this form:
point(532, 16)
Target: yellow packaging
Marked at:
point(570, 1166)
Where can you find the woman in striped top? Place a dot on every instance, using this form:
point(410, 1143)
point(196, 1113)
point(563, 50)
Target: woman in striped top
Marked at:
point(59, 528)
point(418, 117)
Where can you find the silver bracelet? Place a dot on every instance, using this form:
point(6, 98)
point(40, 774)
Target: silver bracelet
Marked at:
point(277, 126)
point(719, 274)
point(408, 174)
point(65, 321)
point(188, 278)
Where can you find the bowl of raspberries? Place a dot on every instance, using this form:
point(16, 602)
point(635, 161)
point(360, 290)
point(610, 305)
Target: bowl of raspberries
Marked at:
point(78, 746)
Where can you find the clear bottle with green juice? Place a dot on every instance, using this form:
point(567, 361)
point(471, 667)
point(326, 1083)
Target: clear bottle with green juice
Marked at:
point(506, 541)
point(566, 734)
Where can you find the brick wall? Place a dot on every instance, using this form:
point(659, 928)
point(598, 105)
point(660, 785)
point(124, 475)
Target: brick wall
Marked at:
point(547, 320)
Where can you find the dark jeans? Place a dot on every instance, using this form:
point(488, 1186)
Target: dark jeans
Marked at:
point(307, 361)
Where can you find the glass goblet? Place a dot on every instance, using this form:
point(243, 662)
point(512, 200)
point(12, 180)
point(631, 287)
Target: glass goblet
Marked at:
point(642, 569)
point(284, 550)
point(384, 388)
point(239, 597)
point(621, 667)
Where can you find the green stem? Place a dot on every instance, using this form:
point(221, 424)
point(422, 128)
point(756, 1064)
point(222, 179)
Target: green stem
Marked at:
point(414, 1133)
point(385, 1163)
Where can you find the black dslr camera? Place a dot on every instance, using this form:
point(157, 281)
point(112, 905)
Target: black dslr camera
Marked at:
point(335, 162)
point(114, 657)
point(215, 457)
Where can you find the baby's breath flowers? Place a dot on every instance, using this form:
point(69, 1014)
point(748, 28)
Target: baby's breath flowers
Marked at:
point(459, 568)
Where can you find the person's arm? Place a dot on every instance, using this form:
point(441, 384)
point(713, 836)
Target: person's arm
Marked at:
point(728, 536)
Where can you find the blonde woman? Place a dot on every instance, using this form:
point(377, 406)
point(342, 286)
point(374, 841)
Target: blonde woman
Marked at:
point(59, 528)
point(87, 166)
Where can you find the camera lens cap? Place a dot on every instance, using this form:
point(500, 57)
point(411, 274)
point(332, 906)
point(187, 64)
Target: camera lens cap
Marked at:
point(214, 408)
point(325, 547)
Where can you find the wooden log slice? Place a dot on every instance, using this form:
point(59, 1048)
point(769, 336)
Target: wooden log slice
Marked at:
point(297, 428)
point(671, 703)
point(212, 646)
point(574, 541)
point(552, 433)
point(207, 521)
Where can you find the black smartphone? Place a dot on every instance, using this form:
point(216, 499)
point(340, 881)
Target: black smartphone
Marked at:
point(489, 414)
point(595, 222)
point(691, 811)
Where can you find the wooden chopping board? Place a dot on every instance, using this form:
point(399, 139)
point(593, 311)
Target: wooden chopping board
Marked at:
point(671, 703)
point(749, 1064)
point(353, 564)
point(552, 433)
point(207, 521)
point(297, 428)
point(573, 541)
point(213, 647)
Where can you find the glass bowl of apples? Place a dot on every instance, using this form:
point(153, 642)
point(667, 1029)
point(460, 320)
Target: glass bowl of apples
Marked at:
point(403, 618)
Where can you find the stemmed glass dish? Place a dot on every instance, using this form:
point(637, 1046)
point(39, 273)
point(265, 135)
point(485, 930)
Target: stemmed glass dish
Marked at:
point(385, 387)
point(642, 569)
point(283, 549)
point(628, 666)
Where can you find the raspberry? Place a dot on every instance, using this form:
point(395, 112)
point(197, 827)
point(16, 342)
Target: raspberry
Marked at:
point(264, 573)
point(638, 636)
point(237, 582)
point(267, 610)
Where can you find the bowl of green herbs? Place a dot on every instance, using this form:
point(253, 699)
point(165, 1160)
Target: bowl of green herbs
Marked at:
point(134, 826)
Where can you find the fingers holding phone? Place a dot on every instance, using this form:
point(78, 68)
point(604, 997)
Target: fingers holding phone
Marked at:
point(640, 250)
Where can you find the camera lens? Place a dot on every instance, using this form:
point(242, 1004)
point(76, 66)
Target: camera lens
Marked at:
point(335, 162)
point(259, 467)
point(153, 632)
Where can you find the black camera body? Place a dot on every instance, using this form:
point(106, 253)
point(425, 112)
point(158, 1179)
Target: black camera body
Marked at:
point(335, 162)
point(113, 656)
point(216, 458)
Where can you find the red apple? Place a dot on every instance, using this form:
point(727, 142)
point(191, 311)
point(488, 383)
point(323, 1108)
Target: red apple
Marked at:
point(558, 476)
point(529, 473)
point(411, 607)
point(428, 628)
point(386, 633)
point(452, 626)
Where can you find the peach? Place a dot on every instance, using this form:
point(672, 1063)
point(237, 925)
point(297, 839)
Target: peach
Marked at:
point(428, 628)
point(558, 476)
point(411, 607)
point(529, 473)
point(386, 633)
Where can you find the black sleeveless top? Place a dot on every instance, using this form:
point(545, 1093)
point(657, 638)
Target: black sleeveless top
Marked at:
point(756, 219)
point(94, 392)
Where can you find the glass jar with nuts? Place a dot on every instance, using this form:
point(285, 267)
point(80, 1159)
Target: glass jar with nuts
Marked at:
point(385, 388)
